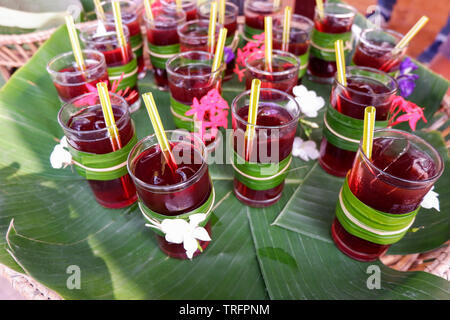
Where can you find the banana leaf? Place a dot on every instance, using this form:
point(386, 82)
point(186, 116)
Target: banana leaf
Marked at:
point(49, 220)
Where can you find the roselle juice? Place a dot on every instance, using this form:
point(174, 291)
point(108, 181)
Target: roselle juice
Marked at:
point(282, 76)
point(362, 90)
point(254, 12)
point(401, 171)
point(189, 8)
point(168, 191)
point(336, 24)
point(69, 81)
point(86, 132)
point(129, 12)
point(163, 41)
point(375, 50)
point(275, 130)
point(194, 35)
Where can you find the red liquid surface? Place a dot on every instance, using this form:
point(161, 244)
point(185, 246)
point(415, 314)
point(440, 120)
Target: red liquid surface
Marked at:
point(283, 82)
point(76, 86)
point(378, 57)
point(321, 68)
point(306, 7)
point(185, 90)
point(337, 161)
point(117, 193)
point(152, 168)
point(254, 16)
point(269, 115)
point(401, 159)
point(199, 43)
point(162, 37)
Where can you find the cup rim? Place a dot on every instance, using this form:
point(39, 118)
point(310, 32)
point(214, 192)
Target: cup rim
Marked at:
point(326, 5)
point(367, 43)
point(181, 15)
point(249, 4)
point(228, 14)
point(177, 186)
point(87, 37)
point(350, 68)
point(93, 69)
point(402, 180)
point(196, 37)
point(294, 16)
point(70, 102)
point(278, 53)
point(202, 76)
point(247, 93)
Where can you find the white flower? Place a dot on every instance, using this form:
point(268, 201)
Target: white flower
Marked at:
point(60, 155)
point(306, 150)
point(180, 231)
point(431, 200)
point(308, 101)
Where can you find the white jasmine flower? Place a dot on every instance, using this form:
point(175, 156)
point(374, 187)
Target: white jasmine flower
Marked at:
point(431, 200)
point(60, 156)
point(308, 101)
point(180, 231)
point(306, 150)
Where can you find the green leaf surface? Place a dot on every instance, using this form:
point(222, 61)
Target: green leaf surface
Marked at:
point(49, 220)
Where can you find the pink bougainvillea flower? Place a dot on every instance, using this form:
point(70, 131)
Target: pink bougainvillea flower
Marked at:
point(212, 113)
point(411, 113)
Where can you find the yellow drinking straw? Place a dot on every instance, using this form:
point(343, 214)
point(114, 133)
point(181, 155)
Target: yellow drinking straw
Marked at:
point(212, 27)
point(369, 127)
point(108, 114)
point(411, 33)
point(159, 129)
point(252, 115)
point(219, 50)
point(119, 25)
point(286, 28)
point(99, 10)
point(148, 9)
point(340, 62)
point(179, 5)
point(268, 42)
point(221, 17)
point(320, 10)
point(78, 54)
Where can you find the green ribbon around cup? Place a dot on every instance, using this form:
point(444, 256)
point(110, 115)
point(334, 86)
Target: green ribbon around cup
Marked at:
point(108, 166)
point(154, 217)
point(343, 131)
point(137, 45)
point(369, 224)
point(322, 44)
point(130, 74)
point(160, 54)
point(178, 110)
point(304, 58)
point(260, 176)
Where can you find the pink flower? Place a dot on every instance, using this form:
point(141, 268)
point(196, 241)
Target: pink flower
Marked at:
point(412, 112)
point(248, 49)
point(212, 111)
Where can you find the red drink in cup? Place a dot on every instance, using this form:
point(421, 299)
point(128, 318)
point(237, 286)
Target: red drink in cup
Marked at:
point(120, 62)
point(401, 171)
point(189, 7)
point(343, 124)
point(163, 41)
point(299, 38)
point(164, 193)
point(283, 74)
point(90, 143)
point(193, 35)
point(260, 172)
point(255, 11)
point(231, 14)
point(375, 50)
point(306, 7)
point(69, 81)
point(190, 76)
point(130, 18)
point(336, 24)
